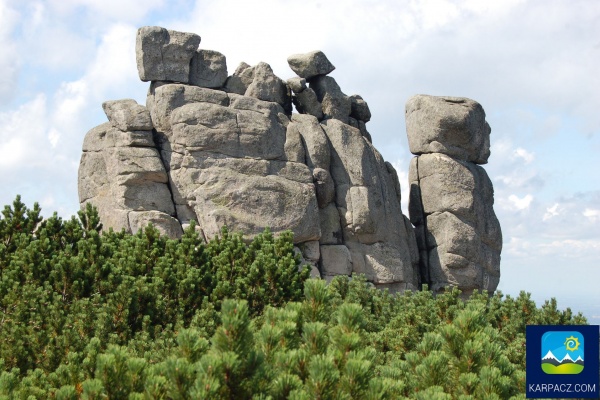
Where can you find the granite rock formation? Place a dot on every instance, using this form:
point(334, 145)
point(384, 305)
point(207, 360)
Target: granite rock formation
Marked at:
point(229, 150)
point(451, 197)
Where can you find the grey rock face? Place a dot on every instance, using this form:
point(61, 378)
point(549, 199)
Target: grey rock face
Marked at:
point(121, 173)
point(165, 224)
point(454, 126)
point(371, 219)
point(240, 80)
point(315, 141)
point(297, 84)
point(359, 108)
point(268, 87)
point(236, 196)
point(236, 161)
point(163, 98)
point(334, 102)
point(228, 151)
point(127, 115)
point(324, 187)
point(208, 69)
point(309, 65)
point(164, 55)
point(335, 260)
point(306, 102)
point(451, 198)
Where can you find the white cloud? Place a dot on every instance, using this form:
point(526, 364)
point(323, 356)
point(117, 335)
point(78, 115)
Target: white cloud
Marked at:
point(47, 202)
point(111, 74)
point(435, 13)
point(515, 177)
point(119, 10)
point(41, 140)
point(524, 154)
point(490, 7)
point(569, 246)
point(22, 136)
point(49, 40)
point(551, 212)
point(517, 247)
point(520, 203)
point(592, 214)
point(9, 55)
point(53, 137)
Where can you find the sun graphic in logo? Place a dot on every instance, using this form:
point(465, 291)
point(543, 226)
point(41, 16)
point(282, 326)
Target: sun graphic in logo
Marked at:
point(572, 343)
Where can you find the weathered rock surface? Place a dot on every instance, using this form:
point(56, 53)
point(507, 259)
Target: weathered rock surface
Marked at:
point(335, 104)
point(454, 126)
point(359, 109)
point(127, 115)
point(297, 84)
point(164, 55)
point(268, 87)
point(306, 102)
point(310, 64)
point(336, 260)
point(451, 200)
point(240, 80)
point(208, 69)
point(229, 151)
point(122, 173)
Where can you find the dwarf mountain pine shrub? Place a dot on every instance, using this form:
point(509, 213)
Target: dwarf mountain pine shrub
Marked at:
point(89, 315)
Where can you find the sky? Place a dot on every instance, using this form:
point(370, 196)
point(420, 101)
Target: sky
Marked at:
point(533, 66)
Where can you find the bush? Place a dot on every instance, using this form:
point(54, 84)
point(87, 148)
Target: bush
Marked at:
point(89, 315)
point(63, 283)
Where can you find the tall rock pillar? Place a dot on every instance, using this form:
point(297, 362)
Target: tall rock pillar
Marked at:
point(451, 196)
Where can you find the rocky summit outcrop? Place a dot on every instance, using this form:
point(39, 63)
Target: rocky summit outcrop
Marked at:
point(451, 197)
point(228, 150)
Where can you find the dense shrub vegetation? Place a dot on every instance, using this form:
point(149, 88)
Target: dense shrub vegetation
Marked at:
point(119, 316)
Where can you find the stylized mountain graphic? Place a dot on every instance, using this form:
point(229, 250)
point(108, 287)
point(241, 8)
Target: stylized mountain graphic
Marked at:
point(550, 358)
point(579, 361)
point(567, 359)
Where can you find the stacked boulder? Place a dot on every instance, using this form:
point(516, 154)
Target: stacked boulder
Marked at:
point(122, 174)
point(451, 196)
point(363, 229)
point(227, 150)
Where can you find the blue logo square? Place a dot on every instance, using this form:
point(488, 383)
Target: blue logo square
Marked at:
point(562, 361)
point(563, 352)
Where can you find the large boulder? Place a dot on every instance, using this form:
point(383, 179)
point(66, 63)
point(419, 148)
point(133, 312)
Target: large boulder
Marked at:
point(122, 172)
point(228, 151)
point(236, 161)
point(208, 68)
point(240, 80)
point(309, 65)
point(334, 103)
point(451, 198)
point(454, 126)
point(249, 195)
point(268, 87)
point(127, 115)
point(164, 55)
point(370, 215)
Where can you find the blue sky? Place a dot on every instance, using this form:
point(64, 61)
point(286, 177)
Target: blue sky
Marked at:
point(531, 64)
point(556, 342)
